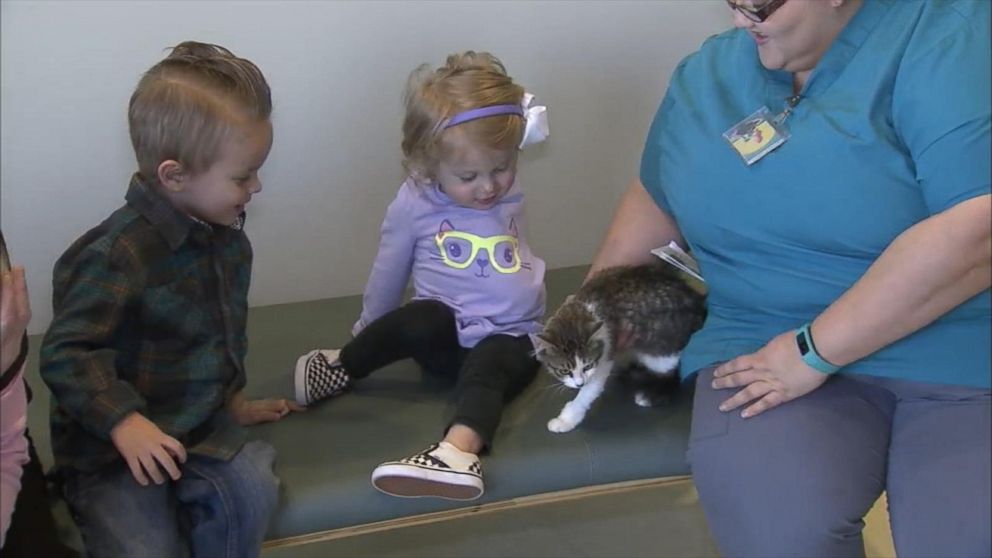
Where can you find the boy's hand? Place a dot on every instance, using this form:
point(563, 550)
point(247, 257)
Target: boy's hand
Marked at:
point(145, 448)
point(248, 412)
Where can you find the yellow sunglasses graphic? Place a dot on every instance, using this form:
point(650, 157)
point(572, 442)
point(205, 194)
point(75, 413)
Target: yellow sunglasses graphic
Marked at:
point(459, 249)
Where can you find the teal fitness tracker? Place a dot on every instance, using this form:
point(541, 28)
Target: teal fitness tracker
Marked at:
point(808, 351)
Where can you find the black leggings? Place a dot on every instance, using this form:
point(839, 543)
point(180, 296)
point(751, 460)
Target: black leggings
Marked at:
point(489, 375)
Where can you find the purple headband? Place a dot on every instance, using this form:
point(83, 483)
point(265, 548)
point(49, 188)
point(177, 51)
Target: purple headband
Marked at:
point(483, 112)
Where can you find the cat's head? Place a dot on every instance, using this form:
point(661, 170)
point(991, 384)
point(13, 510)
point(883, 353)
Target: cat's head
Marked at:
point(573, 343)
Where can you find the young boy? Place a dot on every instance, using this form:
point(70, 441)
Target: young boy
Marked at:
point(145, 354)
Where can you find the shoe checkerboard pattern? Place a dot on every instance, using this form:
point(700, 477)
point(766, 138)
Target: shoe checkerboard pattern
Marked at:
point(434, 472)
point(320, 375)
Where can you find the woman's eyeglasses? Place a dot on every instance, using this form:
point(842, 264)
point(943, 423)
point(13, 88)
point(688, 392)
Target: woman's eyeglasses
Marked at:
point(759, 14)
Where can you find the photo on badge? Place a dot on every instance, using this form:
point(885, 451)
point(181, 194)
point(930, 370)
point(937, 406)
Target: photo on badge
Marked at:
point(756, 136)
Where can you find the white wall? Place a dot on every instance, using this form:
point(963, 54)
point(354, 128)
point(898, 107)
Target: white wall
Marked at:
point(337, 71)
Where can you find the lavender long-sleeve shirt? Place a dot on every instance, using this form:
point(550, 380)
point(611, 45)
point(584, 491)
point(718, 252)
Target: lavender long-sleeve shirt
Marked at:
point(475, 261)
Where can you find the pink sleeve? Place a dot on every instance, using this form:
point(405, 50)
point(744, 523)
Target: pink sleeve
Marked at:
point(13, 447)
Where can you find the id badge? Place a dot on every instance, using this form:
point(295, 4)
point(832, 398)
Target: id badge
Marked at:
point(756, 136)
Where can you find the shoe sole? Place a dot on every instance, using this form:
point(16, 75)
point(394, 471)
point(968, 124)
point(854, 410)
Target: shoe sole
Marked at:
point(299, 376)
point(395, 480)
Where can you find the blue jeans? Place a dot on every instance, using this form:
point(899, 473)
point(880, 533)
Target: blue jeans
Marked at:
point(797, 480)
point(216, 509)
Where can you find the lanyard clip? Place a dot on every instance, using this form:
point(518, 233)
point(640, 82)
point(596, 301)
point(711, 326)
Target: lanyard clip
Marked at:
point(791, 102)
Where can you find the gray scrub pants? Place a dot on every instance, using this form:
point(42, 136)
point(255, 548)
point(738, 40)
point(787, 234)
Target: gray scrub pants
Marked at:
point(797, 480)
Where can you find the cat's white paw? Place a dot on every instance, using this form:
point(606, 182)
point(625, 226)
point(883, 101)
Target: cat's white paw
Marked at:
point(560, 425)
point(643, 400)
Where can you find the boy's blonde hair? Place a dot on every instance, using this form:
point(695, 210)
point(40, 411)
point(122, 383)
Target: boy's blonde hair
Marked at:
point(468, 80)
point(184, 106)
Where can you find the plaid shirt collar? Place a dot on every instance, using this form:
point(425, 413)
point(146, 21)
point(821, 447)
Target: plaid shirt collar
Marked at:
point(174, 225)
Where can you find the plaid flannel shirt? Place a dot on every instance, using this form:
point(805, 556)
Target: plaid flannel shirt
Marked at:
point(150, 313)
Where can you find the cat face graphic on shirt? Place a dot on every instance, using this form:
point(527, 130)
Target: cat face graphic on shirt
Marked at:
point(480, 254)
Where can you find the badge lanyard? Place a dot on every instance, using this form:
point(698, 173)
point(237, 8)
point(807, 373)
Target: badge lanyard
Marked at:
point(761, 133)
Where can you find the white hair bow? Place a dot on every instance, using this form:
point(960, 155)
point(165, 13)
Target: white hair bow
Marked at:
point(536, 119)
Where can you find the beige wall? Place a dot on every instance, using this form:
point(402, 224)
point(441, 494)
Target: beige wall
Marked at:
point(337, 70)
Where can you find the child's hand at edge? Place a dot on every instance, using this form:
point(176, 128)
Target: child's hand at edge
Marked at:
point(145, 447)
point(15, 313)
point(248, 412)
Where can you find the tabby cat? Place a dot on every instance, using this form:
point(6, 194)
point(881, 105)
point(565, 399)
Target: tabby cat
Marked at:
point(641, 314)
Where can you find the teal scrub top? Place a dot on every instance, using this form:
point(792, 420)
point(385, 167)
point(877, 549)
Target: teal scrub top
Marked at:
point(892, 127)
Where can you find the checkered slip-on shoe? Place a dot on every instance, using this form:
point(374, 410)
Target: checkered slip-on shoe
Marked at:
point(319, 375)
point(440, 471)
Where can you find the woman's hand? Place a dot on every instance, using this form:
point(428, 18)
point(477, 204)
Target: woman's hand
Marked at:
point(15, 313)
point(773, 375)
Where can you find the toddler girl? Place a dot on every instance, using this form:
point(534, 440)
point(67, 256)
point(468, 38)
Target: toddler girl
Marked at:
point(457, 225)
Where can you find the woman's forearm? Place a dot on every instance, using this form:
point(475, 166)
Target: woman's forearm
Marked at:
point(13, 447)
point(927, 271)
point(638, 226)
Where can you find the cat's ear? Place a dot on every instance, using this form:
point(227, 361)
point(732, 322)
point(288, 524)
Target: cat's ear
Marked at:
point(597, 329)
point(541, 343)
point(513, 228)
point(445, 226)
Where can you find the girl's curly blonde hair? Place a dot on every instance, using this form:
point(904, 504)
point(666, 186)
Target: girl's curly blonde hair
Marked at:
point(467, 81)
